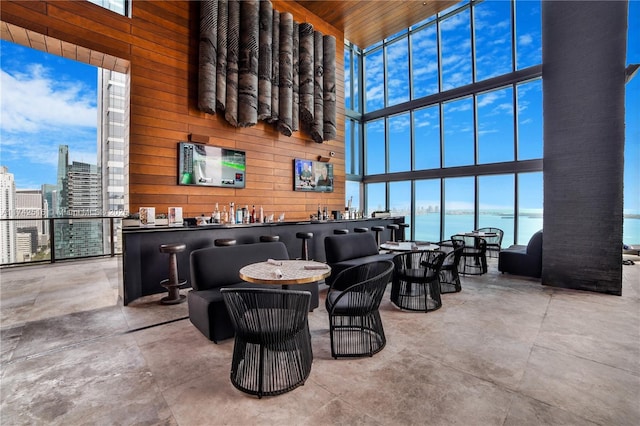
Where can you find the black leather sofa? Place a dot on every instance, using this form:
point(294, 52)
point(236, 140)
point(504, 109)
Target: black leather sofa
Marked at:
point(523, 260)
point(344, 251)
point(215, 267)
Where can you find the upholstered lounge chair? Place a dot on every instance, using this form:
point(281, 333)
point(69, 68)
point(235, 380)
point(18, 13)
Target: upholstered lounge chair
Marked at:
point(215, 267)
point(523, 260)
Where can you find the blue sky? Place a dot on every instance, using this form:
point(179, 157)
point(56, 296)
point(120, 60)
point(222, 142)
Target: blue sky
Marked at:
point(47, 101)
point(495, 109)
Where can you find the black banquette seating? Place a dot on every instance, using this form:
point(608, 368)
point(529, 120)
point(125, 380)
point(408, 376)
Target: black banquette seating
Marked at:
point(215, 267)
point(523, 260)
point(345, 251)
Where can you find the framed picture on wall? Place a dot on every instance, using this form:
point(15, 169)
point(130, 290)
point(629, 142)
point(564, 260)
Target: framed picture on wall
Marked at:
point(312, 176)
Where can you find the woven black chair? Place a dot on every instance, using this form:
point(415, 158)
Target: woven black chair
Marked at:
point(474, 254)
point(355, 326)
point(494, 243)
point(449, 277)
point(272, 349)
point(416, 283)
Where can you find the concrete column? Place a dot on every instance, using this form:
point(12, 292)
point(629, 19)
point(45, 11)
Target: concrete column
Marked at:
point(583, 52)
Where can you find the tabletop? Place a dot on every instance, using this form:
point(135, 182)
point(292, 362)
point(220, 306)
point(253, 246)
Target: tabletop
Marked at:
point(408, 246)
point(285, 272)
point(477, 234)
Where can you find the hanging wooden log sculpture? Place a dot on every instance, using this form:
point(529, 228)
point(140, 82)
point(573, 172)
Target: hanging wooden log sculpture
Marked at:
point(248, 63)
point(256, 63)
point(208, 56)
point(296, 97)
point(233, 39)
point(305, 70)
point(329, 90)
point(286, 73)
point(221, 65)
point(318, 85)
point(264, 60)
point(275, 74)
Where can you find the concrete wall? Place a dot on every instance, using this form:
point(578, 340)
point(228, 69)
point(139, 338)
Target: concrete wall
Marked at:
point(584, 49)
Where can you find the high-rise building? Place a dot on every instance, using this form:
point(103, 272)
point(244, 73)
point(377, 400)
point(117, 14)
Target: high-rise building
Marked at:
point(7, 206)
point(29, 207)
point(63, 161)
point(112, 136)
point(80, 195)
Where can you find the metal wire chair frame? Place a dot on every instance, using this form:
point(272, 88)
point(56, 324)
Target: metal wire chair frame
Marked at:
point(272, 351)
point(449, 275)
point(416, 280)
point(494, 244)
point(355, 325)
point(474, 254)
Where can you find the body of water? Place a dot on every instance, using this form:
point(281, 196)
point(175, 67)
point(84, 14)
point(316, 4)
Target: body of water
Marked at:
point(427, 227)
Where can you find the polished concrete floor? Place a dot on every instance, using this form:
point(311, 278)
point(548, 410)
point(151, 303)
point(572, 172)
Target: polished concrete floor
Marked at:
point(504, 351)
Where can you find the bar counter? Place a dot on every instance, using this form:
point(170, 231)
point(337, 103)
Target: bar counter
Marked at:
point(143, 266)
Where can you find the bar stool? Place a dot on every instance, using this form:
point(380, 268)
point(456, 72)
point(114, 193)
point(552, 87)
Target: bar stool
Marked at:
point(305, 236)
point(377, 230)
point(224, 242)
point(393, 227)
point(340, 231)
point(173, 283)
point(269, 238)
point(405, 228)
point(360, 230)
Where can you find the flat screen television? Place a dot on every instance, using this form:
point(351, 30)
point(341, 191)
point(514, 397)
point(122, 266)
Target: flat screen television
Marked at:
point(315, 176)
point(206, 165)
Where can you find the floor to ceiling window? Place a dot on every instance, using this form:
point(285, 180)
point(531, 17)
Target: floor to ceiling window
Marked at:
point(451, 117)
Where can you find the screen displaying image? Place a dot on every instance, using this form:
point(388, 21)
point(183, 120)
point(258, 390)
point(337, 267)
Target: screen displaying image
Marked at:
point(312, 176)
point(208, 165)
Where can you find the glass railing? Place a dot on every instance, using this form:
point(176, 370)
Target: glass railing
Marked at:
point(50, 239)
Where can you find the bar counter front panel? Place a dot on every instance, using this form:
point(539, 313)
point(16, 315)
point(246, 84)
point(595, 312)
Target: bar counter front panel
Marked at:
point(143, 266)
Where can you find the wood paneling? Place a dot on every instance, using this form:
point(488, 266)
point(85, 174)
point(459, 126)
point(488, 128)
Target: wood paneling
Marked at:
point(158, 47)
point(365, 22)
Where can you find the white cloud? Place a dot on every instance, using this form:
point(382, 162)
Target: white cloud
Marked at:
point(34, 102)
point(400, 123)
point(489, 98)
point(525, 39)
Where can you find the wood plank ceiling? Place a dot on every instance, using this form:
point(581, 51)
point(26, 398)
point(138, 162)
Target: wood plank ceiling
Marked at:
point(52, 45)
point(366, 22)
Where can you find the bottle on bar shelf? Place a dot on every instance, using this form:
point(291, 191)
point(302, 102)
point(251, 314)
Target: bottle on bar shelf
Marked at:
point(252, 218)
point(319, 214)
point(261, 217)
point(232, 214)
point(225, 215)
point(215, 217)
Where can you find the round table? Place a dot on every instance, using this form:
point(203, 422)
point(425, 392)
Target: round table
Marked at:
point(477, 234)
point(408, 246)
point(293, 272)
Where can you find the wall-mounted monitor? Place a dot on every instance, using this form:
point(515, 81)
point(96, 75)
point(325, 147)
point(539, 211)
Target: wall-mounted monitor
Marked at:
point(314, 176)
point(206, 165)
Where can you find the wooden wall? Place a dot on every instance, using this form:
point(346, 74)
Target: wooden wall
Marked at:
point(160, 41)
